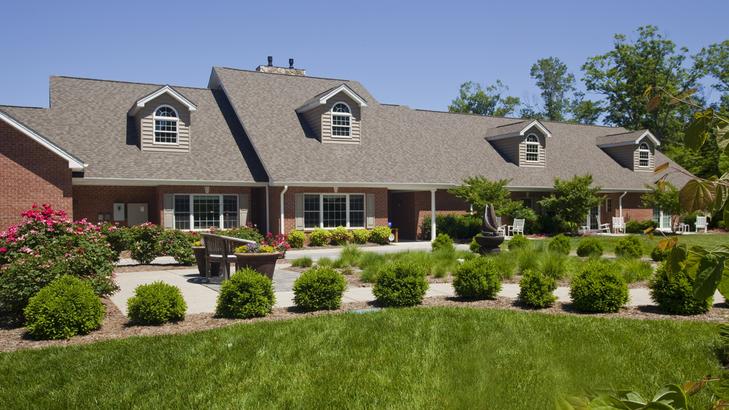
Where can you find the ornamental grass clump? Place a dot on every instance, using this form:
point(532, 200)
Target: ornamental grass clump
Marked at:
point(156, 303)
point(477, 278)
point(319, 288)
point(400, 283)
point(537, 289)
point(245, 295)
point(629, 247)
point(65, 308)
point(598, 287)
point(303, 262)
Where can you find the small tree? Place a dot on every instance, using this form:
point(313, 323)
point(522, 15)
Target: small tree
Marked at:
point(571, 201)
point(663, 196)
point(479, 192)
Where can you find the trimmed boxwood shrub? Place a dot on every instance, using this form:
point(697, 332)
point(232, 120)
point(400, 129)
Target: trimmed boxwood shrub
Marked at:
point(598, 287)
point(320, 288)
point(319, 237)
point(302, 262)
point(380, 235)
point(518, 242)
point(474, 246)
point(658, 254)
point(340, 236)
point(442, 241)
point(296, 239)
point(477, 278)
point(536, 289)
point(155, 304)
point(629, 247)
point(400, 283)
point(247, 294)
point(360, 236)
point(589, 247)
point(560, 244)
point(639, 226)
point(66, 307)
point(673, 292)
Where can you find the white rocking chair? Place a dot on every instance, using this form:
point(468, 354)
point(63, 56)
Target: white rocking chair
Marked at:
point(701, 223)
point(516, 229)
point(618, 224)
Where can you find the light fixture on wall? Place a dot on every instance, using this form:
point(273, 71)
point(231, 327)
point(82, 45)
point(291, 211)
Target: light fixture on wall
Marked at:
point(207, 189)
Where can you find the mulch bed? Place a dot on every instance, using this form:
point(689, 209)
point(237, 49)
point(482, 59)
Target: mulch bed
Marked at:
point(116, 325)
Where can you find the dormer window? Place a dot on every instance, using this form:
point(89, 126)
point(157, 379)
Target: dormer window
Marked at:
point(644, 155)
point(165, 125)
point(341, 120)
point(532, 148)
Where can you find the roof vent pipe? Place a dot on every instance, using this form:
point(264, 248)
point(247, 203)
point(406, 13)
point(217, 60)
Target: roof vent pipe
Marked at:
point(291, 63)
point(270, 61)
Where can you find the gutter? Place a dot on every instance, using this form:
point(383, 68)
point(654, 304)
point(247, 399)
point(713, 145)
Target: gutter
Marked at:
point(620, 202)
point(281, 204)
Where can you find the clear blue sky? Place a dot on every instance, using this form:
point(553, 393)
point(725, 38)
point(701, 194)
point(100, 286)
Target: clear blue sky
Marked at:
point(412, 53)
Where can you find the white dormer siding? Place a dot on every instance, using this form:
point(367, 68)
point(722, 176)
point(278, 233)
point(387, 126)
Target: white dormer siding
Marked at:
point(320, 121)
point(540, 143)
point(146, 123)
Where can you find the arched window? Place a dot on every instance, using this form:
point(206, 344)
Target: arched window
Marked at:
point(532, 148)
point(341, 120)
point(644, 155)
point(165, 125)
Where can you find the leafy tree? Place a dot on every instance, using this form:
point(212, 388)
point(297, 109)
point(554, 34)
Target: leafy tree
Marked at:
point(490, 100)
point(585, 111)
point(713, 61)
point(479, 192)
point(556, 85)
point(664, 196)
point(625, 72)
point(571, 201)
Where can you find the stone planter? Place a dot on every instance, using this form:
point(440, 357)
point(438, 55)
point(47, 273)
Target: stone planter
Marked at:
point(263, 263)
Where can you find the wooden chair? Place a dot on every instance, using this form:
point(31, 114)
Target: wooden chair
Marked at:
point(618, 224)
point(517, 228)
point(701, 223)
point(217, 250)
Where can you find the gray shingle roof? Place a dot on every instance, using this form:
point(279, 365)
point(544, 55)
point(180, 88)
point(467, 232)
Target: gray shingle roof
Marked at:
point(89, 119)
point(619, 138)
point(404, 146)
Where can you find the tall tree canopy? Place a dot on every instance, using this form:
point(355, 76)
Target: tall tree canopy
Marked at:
point(556, 85)
point(490, 100)
point(713, 61)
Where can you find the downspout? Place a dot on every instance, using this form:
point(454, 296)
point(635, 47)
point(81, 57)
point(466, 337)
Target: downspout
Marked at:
point(268, 220)
point(281, 203)
point(620, 202)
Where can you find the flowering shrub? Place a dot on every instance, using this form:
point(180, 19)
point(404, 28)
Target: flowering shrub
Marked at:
point(45, 246)
point(177, 244)
point(144, 246)
point(243, 232)
point(278, 242)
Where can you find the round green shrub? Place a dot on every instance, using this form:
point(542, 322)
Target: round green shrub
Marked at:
point(244, 232)
point(155, 304)
point(518, 242)
point(477, 278)
point(474, 246)
point(658, 254)
point(589, 247)
point(380, 235)
point(66, 307)
point(598, 287)
point(360, 236)
point(247, 294)
point(442, 241)
point(177, 244)
point(400, 283)
point(296, 239)
point(319, 237)
point(536, 289)
point(629, 247)
point(673, 292)
point(560, 244)
point(340, 236)
point(320, 288)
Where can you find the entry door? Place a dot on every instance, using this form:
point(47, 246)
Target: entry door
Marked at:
point(137, 214)
point(593, 218)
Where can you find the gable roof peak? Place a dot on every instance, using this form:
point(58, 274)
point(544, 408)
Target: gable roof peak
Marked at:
point(323, 97)
point(626, 138)
point(514, 129)
point(139, 104)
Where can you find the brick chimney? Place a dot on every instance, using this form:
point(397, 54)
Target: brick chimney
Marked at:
point(290, 70)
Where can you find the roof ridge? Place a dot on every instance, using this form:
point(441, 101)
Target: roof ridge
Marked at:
point(22, 106)
point(519, 119)
point(128, 82)
point(626, 132)
point(286, 75)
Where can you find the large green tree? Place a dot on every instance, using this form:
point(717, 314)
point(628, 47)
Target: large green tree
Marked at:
point(713, 61)
point(570, 202)
point(623, 74)
point(556, 85)
point(490, 100)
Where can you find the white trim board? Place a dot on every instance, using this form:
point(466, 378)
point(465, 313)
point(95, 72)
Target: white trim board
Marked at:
point(323, 99)
point(74, 163)
point(164, 90)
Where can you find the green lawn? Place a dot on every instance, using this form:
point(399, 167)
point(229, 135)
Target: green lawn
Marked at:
point(408, 358)
point(650, 241)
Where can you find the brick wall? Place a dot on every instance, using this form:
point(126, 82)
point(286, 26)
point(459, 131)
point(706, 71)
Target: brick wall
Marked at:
point(633, 209)
point(30, 174)
point(445, 203)
point(90, 201)
point(290, 205)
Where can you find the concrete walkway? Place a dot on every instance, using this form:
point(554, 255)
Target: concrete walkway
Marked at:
point(201, 298)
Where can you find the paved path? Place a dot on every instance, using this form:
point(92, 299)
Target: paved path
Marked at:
point(201, 298)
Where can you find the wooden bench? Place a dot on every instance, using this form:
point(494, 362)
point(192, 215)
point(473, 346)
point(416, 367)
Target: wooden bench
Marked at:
point(220, 249)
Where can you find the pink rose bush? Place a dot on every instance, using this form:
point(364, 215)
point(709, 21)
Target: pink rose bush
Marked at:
point(45, 246)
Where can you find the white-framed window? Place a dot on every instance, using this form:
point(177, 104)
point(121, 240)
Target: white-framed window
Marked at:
point(205, 211)
point(341, 120)
point(333, 210)
point(644, 155)
point(165, 125)
point(532, 148)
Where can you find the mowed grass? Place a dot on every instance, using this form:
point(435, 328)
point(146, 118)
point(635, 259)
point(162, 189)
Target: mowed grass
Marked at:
point(650, 241)
point(406, 358)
